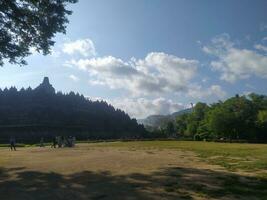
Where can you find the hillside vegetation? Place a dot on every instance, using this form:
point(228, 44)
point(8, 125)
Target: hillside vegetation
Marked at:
point(238, 118)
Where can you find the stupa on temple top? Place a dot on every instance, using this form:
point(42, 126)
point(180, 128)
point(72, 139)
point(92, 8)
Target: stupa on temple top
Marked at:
point(45, 86)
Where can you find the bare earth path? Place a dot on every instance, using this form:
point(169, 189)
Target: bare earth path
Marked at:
point(90, 171)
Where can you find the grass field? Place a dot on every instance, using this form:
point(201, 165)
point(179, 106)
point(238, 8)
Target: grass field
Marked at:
point(135, 170)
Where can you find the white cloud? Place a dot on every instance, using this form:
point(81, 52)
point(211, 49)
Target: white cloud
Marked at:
point(235, 63)
point(198, 92)
point(157, 73)
point(142, 107)
point(84, 47)
point(260, 47)
point(74, 78)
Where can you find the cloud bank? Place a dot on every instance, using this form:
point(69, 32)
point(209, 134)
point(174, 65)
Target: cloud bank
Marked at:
point(142, 107)
point(157, 73)
point(236, 63)
point(147, 81)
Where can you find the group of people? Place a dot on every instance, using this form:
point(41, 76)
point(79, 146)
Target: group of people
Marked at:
point(60, 141)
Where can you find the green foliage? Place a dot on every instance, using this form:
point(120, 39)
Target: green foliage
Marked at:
point(181, 124)
point(262, 116)
point(197, 137)
point(170, 130)
point(27, 24)
point(237, 118)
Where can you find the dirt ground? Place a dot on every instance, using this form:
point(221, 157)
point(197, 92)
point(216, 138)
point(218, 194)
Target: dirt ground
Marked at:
point(93, 172)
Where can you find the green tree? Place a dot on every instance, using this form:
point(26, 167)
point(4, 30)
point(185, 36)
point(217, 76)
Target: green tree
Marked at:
point(259, 101)
point(262, 116)
point(199, 111)
point(239, 117)
point(203, 130)
point(220, 122)
point(194, 118)
point(235, 118)
point(170, 129)
point(181, 123)
point(262, 126)
point(27, 24)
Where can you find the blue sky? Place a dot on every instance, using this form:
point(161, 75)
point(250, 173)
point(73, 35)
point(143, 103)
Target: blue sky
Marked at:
point(155, 56)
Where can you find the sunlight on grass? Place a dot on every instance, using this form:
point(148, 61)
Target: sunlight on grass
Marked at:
point(232, 156)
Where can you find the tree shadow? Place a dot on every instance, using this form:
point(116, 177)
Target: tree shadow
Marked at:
point(168, 183)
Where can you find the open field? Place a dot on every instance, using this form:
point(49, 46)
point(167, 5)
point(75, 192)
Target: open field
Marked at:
point(136, 170)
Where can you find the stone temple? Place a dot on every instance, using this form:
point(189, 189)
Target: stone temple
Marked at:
point(45, 86)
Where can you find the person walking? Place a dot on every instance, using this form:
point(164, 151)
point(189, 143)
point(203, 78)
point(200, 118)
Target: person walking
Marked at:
point(59, 141)
point(73, 141)
point(54, 142)
point(42, 142)
point(12, 144)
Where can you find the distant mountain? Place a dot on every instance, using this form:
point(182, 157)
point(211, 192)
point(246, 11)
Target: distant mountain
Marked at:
point(29, 114)
point(181, 112)
point(157, 120)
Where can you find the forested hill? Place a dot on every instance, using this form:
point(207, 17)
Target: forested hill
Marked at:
point(156, 121)
point(41, 112)
point(237, 118)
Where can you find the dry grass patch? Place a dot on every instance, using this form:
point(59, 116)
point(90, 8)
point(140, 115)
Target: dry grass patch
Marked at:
point(121, 171)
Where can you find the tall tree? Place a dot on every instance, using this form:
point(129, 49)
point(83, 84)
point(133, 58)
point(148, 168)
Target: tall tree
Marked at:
point(27, 24)
point(195, 117)
point(170, 129)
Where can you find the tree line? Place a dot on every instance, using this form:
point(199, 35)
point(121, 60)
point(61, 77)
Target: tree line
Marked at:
point(237, 118)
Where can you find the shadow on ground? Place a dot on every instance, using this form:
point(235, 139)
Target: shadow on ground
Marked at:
point(170, 183)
